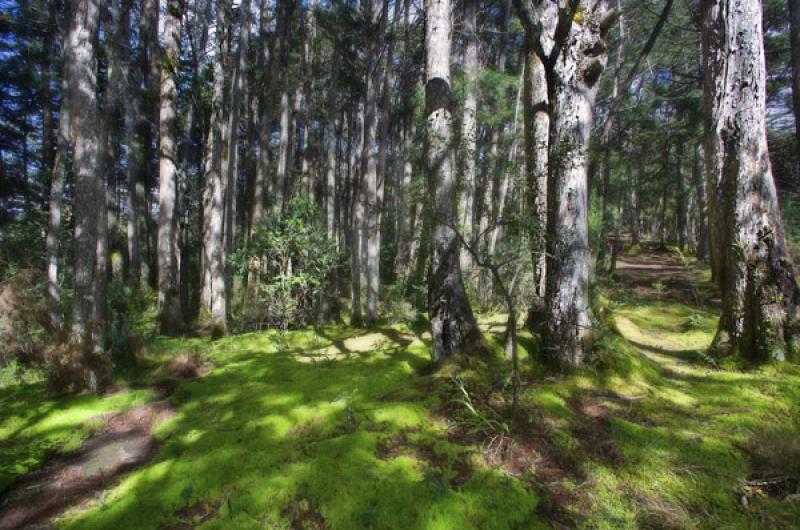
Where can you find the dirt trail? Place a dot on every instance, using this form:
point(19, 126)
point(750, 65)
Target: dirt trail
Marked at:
point(124, 442)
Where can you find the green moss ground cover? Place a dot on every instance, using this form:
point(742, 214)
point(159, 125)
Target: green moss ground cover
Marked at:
point(345, 428)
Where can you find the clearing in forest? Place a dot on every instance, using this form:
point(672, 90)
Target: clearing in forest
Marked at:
point(345, 428)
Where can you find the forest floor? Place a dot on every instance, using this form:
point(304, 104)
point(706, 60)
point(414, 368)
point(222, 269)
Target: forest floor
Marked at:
point(344, 428)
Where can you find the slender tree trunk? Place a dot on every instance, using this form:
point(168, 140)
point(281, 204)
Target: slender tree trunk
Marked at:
point(403, 245)
point(282, 184)
point(453, 326)
point(680, 195)
point(80, 70)
point(58, 173)
point(232, 148)
point(701, 218)
point(357, 220)
point(214, 295)
point(168, 293)
point(537, 122)
point(370, 158)
point(469, 126)
point(759, 292)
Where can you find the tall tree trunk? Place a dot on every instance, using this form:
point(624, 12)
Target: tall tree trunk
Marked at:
point(131, 150)
point(214, 295)
point(537, 122)
point(58, 174)
point(759, 292)
point(701, 217)
point(453, 326)
point(680, 195)
point(232, 148)
point(357, 220)
point(281, 187)
point(403, 255)
point(469, 126)
point(80, 69)
point(369, 163)
point(574, 62)
point(168, 293)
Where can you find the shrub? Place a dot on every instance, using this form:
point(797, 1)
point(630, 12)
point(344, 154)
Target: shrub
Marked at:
point(289, 262)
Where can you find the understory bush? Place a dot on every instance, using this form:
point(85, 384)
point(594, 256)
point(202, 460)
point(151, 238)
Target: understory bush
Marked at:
point(286, 266)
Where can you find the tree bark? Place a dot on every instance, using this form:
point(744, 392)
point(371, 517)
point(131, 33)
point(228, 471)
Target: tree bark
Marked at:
point(759, 292)
point(58, 173)
point(573, 51)
point(214, 295)
point(453, 326)
point(701, 218)
point(80, 69)
point(170, 313)
point(281, 187)
point(469, 126)
point(537, 121)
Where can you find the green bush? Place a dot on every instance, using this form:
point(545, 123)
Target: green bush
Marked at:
point(291, 261)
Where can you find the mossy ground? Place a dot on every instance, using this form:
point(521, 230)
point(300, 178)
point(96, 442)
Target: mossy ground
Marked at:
point(344, 428)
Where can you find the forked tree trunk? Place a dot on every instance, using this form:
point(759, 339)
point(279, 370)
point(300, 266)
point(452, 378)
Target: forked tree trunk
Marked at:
point(574, 61)
point(759, 292)
point(453, 326)
point(168, 293)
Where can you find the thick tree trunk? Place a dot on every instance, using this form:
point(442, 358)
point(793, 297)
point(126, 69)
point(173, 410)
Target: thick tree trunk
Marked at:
point(80, 70)
point(573, 79)
point(170, 313)
point(453, 326)
point(759, 292)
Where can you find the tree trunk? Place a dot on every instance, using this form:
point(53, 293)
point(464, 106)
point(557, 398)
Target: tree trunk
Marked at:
point(536, 130)
point(58, 173)
point(759, 292)
point(572, 78)
point(453, 326)
point(281, 187)
point(232, 149)
point(80, 69)
point(168, 293)
point(680, 195)
point(357, 220)
point(469, 127)
point(214, 295)
point(701, 221)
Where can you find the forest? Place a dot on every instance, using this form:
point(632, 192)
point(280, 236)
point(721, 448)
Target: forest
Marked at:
point(399, 264)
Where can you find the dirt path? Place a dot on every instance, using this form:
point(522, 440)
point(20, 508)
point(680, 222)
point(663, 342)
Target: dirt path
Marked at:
point(124, 442)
